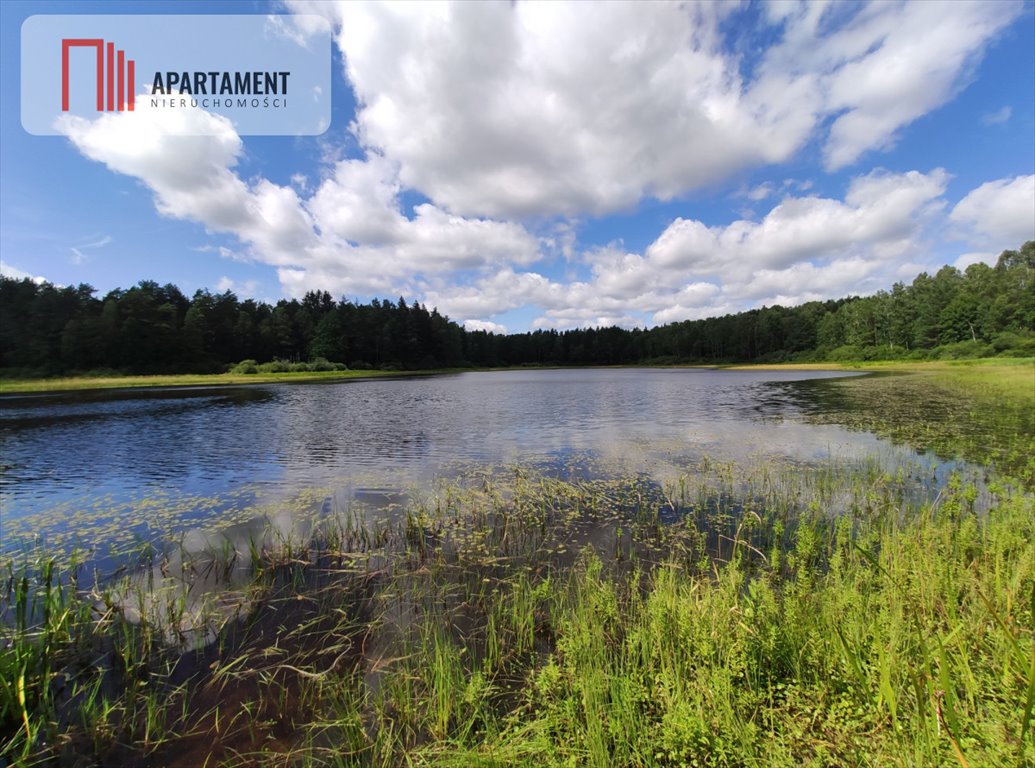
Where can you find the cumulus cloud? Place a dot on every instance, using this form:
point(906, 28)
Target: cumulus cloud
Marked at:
point(524, 109)
point(348, 236)
point(879, 209)
point(805, 248)
point(999, 214)
point(484, 325)
point(533, 109)
point(186, 158)
point(245, 288)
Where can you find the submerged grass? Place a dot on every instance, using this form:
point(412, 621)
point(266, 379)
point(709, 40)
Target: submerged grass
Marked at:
point(771, 615)
point(982, 411)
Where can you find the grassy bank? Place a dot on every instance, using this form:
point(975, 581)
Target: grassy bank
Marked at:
point(78, 383)
point(1012, 377)
point(989, 378)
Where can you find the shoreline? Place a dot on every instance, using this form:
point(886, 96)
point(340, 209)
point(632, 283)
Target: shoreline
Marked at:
point(64, 384)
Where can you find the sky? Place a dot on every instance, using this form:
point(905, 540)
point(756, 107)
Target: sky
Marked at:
point(536, 165)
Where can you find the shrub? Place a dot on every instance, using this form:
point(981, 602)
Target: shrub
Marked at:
point(1011, 344)
point(963, 349)
point(245, 366)
point(846, 353)
point(275, 366)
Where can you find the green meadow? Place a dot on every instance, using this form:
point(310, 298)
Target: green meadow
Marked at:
point(776, 614)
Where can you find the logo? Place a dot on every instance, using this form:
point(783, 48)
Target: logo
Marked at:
point(120, 97)
point(185, 74)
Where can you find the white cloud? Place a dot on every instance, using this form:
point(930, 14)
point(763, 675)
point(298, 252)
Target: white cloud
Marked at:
point(11, 271)
point(97, 243)
point(998, 117)
point(191, 176)
point(349, 236)
point(977, 257)
point(484, 325)
point(225, 253)
point(761, 192)
point(880, 208)
point(525, 109)
point(78, 257)
point(693, 302)
point(574, 317)
point(248, 288)
point(999, 214)
point(530, 109)
point(804, 249)
point(883, 67)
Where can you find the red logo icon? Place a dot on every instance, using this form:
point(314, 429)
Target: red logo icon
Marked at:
point(124, 67)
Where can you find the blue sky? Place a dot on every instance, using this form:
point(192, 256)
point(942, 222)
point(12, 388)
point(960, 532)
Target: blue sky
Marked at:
point(559, 165)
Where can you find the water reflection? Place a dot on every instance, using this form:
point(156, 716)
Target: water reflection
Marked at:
point(113, 469)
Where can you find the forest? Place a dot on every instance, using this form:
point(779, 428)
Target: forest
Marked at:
point(49, 330)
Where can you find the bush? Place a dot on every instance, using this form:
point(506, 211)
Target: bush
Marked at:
point(245, 366)
point(963, 349)
point(1011, 344)
point(361, 365)
point(846, 353)
point(321, 364)
point(276, 366)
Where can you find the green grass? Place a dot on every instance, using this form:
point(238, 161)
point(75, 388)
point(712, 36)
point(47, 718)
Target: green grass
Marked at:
point(74, 383)
point(1011, 378)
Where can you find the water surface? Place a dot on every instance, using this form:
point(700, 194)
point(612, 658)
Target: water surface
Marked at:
point(110, 469)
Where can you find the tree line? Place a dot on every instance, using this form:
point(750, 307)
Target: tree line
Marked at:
point(151, 328)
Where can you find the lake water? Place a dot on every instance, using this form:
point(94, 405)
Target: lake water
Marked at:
point(107, 470)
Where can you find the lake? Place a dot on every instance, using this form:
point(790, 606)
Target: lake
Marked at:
point(106, 471)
